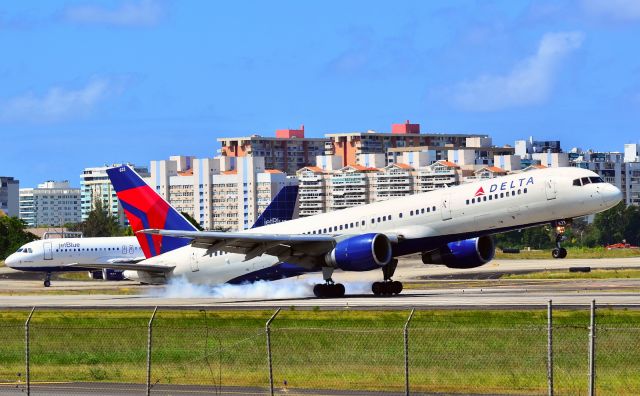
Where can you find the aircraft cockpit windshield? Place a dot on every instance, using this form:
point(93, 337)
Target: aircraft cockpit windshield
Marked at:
point(24, 250)
point(583, 181)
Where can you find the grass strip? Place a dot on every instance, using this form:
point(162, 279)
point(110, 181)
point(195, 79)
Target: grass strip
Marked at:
point(477, 351)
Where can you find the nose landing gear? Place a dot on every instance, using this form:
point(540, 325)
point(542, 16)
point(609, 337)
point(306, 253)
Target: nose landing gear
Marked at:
point(559, 252)
point(47, 279)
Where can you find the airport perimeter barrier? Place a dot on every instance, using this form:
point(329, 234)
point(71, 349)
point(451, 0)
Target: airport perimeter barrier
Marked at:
point(578, 351)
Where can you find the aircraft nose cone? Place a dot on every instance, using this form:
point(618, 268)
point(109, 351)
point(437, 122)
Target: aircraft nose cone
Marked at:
point(11, 260)
point(613, 195)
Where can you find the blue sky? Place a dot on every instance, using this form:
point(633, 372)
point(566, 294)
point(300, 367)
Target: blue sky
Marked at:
point(84, 83)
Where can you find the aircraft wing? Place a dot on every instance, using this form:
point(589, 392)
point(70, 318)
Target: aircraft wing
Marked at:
point(302, 249)
point(130, 266)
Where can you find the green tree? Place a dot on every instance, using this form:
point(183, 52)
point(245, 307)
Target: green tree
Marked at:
point(13, 235)
point(611, 224)
point(192, 221)
point(99, 223)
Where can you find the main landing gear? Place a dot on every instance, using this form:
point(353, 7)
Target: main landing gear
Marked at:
point(387, 287)
point(329, 288)
point(559, 252)
point(47, 279)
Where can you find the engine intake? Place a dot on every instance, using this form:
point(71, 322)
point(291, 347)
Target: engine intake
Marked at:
point(469, 253)
point(361, 253)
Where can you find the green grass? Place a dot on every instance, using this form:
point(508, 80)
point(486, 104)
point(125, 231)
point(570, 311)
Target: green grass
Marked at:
point(572, 252)
point(478, 351)
point(593, 274)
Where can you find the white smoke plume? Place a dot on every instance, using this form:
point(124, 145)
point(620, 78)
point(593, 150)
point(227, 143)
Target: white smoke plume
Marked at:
point(281, 289)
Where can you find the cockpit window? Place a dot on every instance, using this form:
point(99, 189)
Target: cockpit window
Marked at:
point(576, 182)
point(19, 250)
point(585, 180)
point(595, 179)
point(29, 250)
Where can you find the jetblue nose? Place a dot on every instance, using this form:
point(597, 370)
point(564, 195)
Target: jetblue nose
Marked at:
point(11, 260)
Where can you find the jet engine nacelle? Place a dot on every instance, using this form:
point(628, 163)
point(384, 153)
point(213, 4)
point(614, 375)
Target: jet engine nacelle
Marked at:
point(361, 253)
point(469, 253)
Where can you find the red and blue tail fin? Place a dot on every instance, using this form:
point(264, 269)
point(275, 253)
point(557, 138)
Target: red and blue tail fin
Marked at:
point(281, 208)
point(146, 209)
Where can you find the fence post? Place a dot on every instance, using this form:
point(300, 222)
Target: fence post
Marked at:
point(406, 353)
point(550, 346)
point(592, 349)
point(268, 329)
point(27, 351)
point(149, 343)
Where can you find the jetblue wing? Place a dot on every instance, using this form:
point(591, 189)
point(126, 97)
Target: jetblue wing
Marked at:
point(131, 266)
point(301, 249)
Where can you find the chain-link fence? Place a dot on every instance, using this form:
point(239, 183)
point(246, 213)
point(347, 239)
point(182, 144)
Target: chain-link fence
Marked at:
point(522, 352)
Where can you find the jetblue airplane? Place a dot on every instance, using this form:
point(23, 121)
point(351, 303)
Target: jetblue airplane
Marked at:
point(119, 257)
point(451, 226)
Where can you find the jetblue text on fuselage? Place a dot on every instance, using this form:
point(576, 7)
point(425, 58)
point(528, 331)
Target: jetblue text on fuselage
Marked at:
point(68, 245)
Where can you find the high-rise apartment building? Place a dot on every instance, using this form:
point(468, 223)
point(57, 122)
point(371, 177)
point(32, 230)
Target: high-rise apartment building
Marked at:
point(9, 196)
point(95, 185)
point(287, 152)
point(50, 204)
point(352, 147)
point(223, 193)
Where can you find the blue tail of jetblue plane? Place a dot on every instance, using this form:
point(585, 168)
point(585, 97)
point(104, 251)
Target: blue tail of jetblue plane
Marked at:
point(146, 209)
point(281, 208)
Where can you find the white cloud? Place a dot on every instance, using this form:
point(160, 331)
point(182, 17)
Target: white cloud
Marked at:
point(142, 13)
point(616, 10)
point(529, 83)
point(57, 104)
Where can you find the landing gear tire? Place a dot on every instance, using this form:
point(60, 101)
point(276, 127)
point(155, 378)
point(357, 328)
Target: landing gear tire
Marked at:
point(329, 290)
point(387, 288)
point(47, 279)
point(559, 253)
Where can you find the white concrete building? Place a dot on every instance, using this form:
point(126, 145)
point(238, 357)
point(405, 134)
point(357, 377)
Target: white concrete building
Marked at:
point(222, 193)
point(9, 196)
point(95, 185)
point(50, 204)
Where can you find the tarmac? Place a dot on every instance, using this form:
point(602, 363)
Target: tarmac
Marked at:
point(431, 287)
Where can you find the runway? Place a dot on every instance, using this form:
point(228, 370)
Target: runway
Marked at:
point(428, 290)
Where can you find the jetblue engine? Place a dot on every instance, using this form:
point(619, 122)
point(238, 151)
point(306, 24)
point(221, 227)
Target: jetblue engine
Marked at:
point(469, 253)
point(361, 253)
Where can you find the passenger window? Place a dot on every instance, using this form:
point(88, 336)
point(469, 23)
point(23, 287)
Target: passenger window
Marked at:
point(484, 198)
point(378, 219)
point(384, 218)
point(501, 195)
point(525, 190)
point(389, 217)
point(362, 222)
point(467, 202)
point(411, 213)
point(490, 197)
point(519, 192)
point(428, 209)
point(473, 200)
point(433, 208)
point(422, 211)
point(341, 227)
point(400, 214)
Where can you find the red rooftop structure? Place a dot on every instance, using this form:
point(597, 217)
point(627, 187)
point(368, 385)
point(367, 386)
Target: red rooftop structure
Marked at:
point(406, 128)
point(290, 133)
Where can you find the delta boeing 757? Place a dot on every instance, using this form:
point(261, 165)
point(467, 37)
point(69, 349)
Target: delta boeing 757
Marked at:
point(451, 226)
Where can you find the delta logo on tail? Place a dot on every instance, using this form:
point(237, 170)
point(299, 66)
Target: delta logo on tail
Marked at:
point(145, 209)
